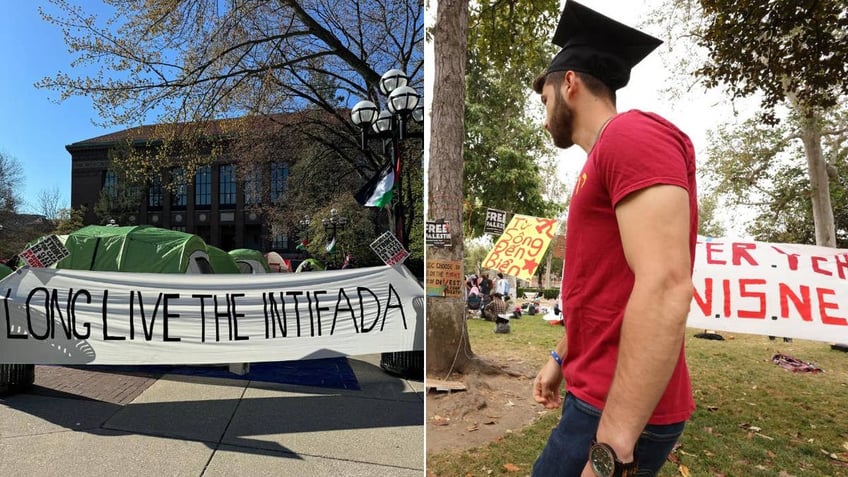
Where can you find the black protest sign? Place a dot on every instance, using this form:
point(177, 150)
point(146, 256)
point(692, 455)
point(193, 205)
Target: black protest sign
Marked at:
point(495, 221)
point(437, 234)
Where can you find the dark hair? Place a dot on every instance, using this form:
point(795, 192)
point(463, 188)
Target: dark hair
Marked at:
point(544, 78)
point(500, 275)
point(596, 86)
point(593, 84)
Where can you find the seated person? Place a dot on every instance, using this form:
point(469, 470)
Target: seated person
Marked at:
point(473, 302)
point(494, 308)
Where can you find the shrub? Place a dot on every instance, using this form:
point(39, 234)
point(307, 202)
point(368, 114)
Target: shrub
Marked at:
point(547, 293)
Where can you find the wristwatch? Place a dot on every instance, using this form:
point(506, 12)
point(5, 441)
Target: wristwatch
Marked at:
point(606, 464)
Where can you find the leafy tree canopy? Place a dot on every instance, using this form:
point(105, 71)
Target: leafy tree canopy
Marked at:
point(780, 48)
point(756, 165)
point(202, 59)
point(505, 147)
point(475, 252)
point(11, 180)
point(70, 220)
point(785, 53)
point(708, 222)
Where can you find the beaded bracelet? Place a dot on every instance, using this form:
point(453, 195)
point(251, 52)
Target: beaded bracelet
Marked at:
point(556, 357)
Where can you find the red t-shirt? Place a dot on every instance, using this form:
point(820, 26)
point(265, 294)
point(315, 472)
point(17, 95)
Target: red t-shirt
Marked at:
point(636, 150)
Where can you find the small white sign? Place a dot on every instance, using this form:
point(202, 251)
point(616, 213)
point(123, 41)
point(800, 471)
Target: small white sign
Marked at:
point(48, 251)
point(389, 249)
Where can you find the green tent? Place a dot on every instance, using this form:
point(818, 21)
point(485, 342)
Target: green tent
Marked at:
point(221, 261)
point(250, 261)
point(310, 265)
point(5, 271)
point(141, 248)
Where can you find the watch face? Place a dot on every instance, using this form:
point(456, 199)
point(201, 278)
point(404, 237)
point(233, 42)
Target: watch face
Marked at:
point(603, 461)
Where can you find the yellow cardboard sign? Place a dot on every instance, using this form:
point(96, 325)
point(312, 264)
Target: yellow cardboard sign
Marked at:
point(521, 246)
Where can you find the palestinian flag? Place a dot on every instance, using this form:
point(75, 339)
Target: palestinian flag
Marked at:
point(331, 246)
point(378, 191)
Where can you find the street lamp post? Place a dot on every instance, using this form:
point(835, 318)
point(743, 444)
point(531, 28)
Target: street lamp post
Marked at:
point(335, 222)
point(402, 102)
point(304, 226)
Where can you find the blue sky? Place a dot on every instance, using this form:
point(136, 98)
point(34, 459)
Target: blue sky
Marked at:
point(33, 129)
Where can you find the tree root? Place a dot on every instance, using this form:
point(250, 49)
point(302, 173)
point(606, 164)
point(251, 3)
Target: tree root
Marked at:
point(478, 365)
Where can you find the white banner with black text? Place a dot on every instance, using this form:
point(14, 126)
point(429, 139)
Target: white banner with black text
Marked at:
point(82, 317)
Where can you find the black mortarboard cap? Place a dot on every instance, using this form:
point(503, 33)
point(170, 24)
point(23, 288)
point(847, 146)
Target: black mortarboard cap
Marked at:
point(598, 45)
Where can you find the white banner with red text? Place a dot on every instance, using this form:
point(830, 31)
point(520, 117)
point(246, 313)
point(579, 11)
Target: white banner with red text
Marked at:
point(52, 316)
point(785, 290)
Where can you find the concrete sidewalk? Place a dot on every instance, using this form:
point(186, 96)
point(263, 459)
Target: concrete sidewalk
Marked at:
point(197, 426)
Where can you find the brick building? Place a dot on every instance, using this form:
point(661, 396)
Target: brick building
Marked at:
point(213, 204)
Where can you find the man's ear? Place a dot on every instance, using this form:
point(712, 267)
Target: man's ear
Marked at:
point(569, 82)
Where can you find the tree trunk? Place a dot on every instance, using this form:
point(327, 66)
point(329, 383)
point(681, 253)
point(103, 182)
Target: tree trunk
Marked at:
point(447, 335)
point(819, 183)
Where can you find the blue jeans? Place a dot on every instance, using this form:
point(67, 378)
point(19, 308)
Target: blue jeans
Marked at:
point(567, 450)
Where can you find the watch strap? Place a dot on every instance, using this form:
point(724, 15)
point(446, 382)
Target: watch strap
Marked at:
point(620, 468)
point(626, 470)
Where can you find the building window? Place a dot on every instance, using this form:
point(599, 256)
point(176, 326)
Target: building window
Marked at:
point(279, 180)
point(203, 187)
point(179, 194)
point(227, 186)
point(110, 185)
point(253, 187)
point(154, 194)
point(135, 194)
point(280, 242)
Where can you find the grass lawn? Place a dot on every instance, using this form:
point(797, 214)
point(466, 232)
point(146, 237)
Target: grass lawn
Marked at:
point(753, 418)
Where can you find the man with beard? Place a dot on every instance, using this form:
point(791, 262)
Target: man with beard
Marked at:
point(632, 228)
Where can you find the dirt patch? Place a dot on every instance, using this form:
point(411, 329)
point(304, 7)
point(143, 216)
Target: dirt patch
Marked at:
point(491, 407)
